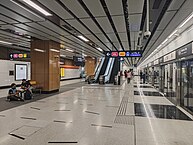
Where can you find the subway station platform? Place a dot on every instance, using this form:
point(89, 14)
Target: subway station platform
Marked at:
point(130, 114)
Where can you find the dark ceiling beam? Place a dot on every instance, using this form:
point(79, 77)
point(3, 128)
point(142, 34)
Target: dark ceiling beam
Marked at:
point(126, 16)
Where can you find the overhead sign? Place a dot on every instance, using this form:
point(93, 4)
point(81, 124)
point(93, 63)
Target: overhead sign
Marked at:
point(184, 51)
point(18, 55)
point(132, 53)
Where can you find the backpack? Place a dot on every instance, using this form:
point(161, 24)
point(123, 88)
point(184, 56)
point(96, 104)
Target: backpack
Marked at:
point(27, 95)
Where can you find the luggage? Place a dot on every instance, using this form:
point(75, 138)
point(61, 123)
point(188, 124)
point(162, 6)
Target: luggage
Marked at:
point(27, 95)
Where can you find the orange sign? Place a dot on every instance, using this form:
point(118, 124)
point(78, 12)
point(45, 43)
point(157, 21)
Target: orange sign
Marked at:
point(122, 54)
point(20, 55)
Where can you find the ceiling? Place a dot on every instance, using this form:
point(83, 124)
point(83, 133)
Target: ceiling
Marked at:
point(107, 24)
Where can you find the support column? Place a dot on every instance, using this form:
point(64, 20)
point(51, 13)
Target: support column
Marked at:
point(45, 67)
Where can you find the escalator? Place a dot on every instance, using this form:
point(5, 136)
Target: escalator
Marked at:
point(115, 70)
point(101, 70)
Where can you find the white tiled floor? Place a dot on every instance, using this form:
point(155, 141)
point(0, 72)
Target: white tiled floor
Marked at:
point(75, 123)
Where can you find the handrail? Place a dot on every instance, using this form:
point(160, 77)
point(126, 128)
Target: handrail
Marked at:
point(99, 68)
point(107, 77)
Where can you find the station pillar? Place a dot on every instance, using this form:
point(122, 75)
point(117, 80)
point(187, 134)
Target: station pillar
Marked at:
point(45, 67)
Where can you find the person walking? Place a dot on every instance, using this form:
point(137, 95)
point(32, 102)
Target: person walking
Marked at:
point(129, 75)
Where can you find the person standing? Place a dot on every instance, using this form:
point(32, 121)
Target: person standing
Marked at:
point(129, 75)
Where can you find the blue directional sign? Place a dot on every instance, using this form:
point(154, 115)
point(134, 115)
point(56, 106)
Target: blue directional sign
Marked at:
point(132, 53)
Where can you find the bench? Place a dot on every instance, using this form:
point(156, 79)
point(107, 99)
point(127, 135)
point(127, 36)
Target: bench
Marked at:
point(36, 87)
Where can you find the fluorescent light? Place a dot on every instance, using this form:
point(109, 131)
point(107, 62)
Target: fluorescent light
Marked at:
point(69, 50)
point(39, 50)
point(99, 49)
point(172, 34)
point(164, 41)
point(27, 9)
point(83, 38)
point(4, 42)
point(35, 6)
point(190, 17)
point(62, 55)
point(54, 50)
point(84, 55)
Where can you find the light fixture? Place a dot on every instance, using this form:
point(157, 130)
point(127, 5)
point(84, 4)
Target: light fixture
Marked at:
point(99, 49)
point(4, 42)
point(164, 41)
point(172, 34)
point(62, 55)
point(69, 50)
point(39, 50)
point(35, 6)
point(84, 55)
point(83, 38)
point(26, 9)
point(54, 50)
point(190, 17)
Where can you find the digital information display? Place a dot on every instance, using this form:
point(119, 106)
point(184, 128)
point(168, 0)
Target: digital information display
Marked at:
point(133, 53)
point(18, 55)
point(20, 72)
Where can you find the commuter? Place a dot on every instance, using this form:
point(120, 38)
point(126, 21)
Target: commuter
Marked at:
point(14, 94)
point(26, 89)
point(125, 73)
point(141, 75)
point(129, 76)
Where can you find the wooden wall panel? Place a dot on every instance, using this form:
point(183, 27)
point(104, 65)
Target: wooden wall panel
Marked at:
point(90, 65)
point(45, 65)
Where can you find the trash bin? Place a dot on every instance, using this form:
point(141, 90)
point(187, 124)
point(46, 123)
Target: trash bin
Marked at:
point(101, 79)
point(115, 80)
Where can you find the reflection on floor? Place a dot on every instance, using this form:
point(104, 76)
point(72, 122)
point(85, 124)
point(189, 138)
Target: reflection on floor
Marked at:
point(96, 115)
point(159, 111)
point(148, 93)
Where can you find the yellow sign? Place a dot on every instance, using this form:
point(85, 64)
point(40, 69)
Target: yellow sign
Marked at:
point(62, 72)
point(25, 55)
point(121, 53)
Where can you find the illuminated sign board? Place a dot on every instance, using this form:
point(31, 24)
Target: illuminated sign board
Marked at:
point(18, 55)
point(132, 53)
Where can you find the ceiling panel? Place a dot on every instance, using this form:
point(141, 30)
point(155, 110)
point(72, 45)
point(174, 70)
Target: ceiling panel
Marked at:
point(102, 37)
point(125, 45)
point(78, 26)
point(23, 31)
point(76, 8)
point(95, 7)
point(164, 21)
point(119, 22)
point(115, 7)
point(20, 10)
point(123, 36)
point(13, 15)
point(175, 5)
point(135, 6)
point(7, 20)
point(134, 22)
point(56, 8)
point(105, 24)
point(2, 23)
point(54, 27)
point(91, 25)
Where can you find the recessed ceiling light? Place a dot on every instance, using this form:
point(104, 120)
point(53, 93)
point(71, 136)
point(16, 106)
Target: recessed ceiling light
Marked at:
point(4, 42)
point(39, 50)
point(69, 50)
point(172, 34)
point(99, 49)
point(35, 6)
point(54, 50)
point(190, 17)
point(83, 38)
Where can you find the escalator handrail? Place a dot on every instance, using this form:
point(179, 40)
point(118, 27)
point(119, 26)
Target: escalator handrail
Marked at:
point(107, 77)
point(99, 68)
point(108, 66)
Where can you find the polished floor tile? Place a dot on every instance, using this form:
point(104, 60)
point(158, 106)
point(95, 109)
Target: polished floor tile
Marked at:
point(159, 111)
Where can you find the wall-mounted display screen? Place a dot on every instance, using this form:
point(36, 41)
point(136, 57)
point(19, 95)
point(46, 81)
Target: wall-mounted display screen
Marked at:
point(20, 72)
